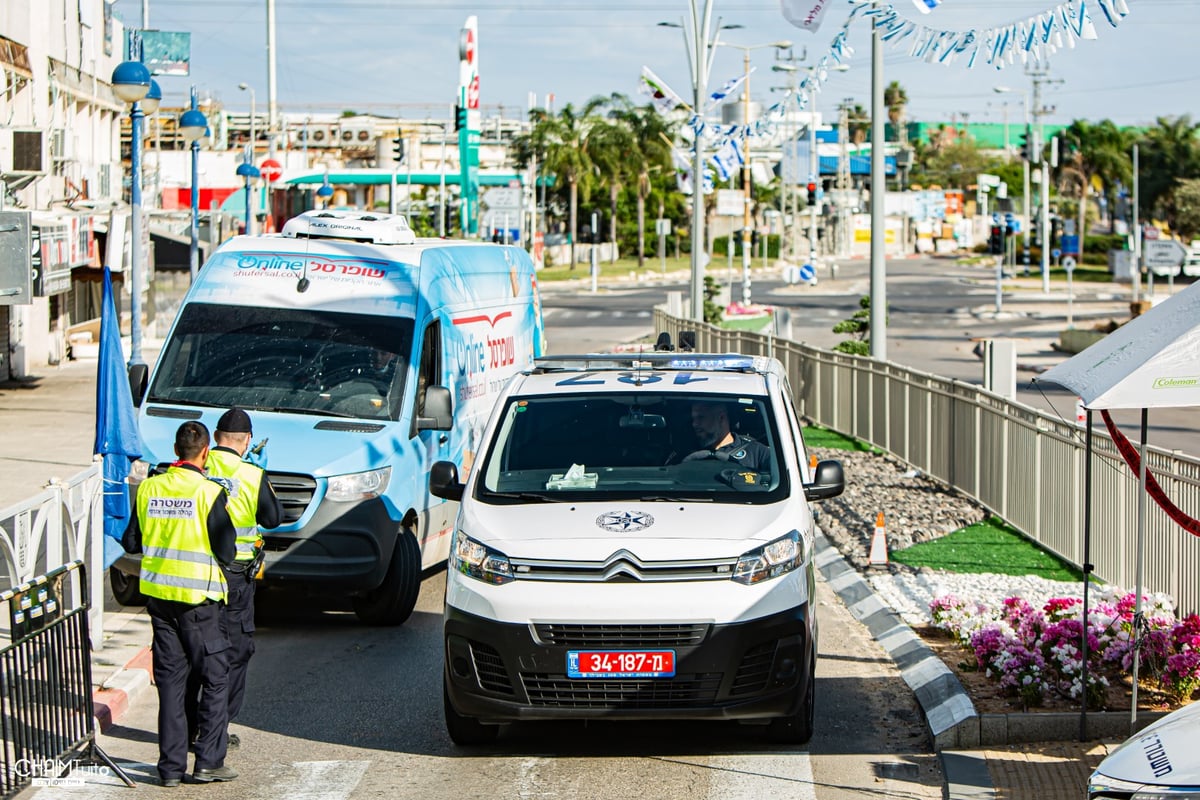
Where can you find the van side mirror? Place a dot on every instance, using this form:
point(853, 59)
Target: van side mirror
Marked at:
point(828, 481)
point(438, 414)
point(138, 375)
point(443, 481)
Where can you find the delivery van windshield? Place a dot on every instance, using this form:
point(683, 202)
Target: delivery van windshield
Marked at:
point(297, 360)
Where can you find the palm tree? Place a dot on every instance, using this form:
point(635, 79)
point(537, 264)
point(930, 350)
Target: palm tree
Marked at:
point(651, 152)
point(610, 144)
point(561, 141)
point(1169, 152)
point(896, 100)
point(1092, 152)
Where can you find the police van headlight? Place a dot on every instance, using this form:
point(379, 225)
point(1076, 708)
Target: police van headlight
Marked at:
point(479, 561)
point(771, 560)
point(359, 485)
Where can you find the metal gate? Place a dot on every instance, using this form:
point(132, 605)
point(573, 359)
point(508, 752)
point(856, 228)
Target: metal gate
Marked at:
point(46, 712)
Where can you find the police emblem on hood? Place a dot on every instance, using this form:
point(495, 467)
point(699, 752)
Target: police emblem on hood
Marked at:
point(624, 521)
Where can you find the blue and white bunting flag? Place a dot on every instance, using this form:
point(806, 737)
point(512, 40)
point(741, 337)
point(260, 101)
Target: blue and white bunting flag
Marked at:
point(925, 6)
point(805, 14)
point(728, 158)
point(730, 86)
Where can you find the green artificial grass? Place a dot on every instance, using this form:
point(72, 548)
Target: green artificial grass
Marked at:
point(823, 437)
point(988, 546)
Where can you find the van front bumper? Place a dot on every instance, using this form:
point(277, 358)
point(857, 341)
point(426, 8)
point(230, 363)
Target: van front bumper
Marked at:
point(501, 672)
point(344, 547)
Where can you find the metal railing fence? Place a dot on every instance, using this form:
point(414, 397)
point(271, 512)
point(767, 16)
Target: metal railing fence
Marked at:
point(1019, 462)
point(62, 523)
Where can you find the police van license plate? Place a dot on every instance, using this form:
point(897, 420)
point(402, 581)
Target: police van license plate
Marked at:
point(620, 663)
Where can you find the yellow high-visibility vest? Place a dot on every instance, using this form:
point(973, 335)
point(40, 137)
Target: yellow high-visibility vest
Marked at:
point(177, 559)
point(242, 480)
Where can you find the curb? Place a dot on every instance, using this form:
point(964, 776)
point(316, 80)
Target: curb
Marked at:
point(113, 698)
point(943, 700)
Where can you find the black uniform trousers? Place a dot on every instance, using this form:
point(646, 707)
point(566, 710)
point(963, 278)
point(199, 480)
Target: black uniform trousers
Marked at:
point(239, 626)
point(190, 639)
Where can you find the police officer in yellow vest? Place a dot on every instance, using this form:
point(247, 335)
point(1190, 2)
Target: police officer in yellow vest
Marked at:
point(252, 505)
point(185, 534)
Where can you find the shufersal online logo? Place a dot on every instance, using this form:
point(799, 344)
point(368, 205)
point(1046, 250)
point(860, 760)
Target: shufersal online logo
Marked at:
point(316, 265)
point(1175, 383)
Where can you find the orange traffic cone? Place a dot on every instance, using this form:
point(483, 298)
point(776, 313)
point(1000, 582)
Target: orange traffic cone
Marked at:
point(879, 553)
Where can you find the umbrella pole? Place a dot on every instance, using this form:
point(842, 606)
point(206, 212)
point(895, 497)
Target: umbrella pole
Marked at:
point(1087, 570)
point(1137, 602)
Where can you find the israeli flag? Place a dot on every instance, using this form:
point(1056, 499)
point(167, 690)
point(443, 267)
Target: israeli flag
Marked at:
point(925, 6)
point(728, 158)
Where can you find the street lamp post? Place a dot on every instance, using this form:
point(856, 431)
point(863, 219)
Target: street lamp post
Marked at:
point(699, 49)
point(747, 199)
point(245, 87)
point(131, 84)
point(192, 125)
point(247, 172)
point(1024, 169)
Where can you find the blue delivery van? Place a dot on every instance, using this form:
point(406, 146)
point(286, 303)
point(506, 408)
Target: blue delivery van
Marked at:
point(364, 355)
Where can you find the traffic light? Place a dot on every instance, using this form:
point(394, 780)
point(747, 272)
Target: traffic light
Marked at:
point(812, 193)
point(398, 149)
point(1026, 152)
point(460, 117)
point(996, 240)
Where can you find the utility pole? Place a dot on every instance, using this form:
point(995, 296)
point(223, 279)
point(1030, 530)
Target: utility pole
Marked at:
point(843, 176)
point(1039, 75)
point(878, 312)
point(747, 193)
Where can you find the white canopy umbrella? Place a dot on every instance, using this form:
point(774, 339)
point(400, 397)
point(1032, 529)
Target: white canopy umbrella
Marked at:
point(1153, 361)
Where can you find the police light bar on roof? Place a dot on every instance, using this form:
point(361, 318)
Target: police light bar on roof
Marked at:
point(356, 226)
point(729, 362)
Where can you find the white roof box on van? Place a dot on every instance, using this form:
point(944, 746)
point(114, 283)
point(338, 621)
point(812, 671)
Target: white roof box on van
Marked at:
point(358, 226)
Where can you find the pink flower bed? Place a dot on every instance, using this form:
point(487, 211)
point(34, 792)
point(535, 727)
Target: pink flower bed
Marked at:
point(1035, 653)
point(736, 309)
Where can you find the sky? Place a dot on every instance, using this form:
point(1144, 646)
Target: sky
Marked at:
point(399, 58)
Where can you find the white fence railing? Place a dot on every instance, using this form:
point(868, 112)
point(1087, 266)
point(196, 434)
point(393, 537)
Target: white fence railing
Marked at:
point(1021, 463)
point(62, 523)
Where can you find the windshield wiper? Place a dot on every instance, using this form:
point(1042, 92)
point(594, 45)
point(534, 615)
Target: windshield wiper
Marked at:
point(318, 412)
point(170, 401)
point(662, 498)
point(542, 498)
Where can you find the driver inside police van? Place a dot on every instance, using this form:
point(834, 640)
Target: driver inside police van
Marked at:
point(710, 424)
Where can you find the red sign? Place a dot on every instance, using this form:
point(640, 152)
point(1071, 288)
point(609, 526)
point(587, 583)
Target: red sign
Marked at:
point(271, 170)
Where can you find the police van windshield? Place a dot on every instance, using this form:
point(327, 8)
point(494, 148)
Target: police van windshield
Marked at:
point(285, 359)
point(670, 446)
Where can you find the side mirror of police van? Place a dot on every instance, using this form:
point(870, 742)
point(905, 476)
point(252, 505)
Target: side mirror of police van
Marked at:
point(138, 374)
point(828, 481)
point(443, 481)
point(438, 410)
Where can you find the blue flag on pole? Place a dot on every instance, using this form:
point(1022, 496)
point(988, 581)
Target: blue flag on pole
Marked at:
point(116, 425)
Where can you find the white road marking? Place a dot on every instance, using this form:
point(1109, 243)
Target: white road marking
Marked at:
point(321, 780)
point(766, 777)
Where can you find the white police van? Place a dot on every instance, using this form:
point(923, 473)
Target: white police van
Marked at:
point(1158, 763)
point(363, 355)
point(608, 562)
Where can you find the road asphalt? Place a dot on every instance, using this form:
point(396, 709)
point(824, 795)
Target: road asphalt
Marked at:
point(46, 424)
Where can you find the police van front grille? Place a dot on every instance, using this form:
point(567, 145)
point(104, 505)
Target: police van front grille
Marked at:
point(619, 636)
point(622, 566)
point(295, 492)
point(682, 691)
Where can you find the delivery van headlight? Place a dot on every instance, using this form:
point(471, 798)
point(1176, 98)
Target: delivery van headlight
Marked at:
point(479, 561)
point(771, 560)
point(359, 485)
